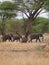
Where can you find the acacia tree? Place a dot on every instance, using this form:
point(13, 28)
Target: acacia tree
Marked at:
point(31, 8)
point(6, 11)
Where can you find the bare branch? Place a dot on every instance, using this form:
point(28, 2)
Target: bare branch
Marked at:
point(37, 13)
point(25, 13)
point(18, 34)
point(40, 6)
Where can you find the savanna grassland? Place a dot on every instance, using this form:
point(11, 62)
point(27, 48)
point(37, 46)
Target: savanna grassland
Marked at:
point(17, 53)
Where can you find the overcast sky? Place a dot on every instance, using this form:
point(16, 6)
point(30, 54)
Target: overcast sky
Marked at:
point(5, 0)
point(20, 15)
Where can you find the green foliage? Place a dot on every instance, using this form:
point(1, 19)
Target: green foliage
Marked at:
point(40, 25)
point(10, 14)
point(7, 9)
point(13, 26)
point(30, 4)
point(7, 5)
point(47, 5)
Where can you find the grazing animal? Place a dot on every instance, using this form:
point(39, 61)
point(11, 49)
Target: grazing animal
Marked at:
point(16, 37)
point(36, 36)
point(41, 35)
point(7, 37)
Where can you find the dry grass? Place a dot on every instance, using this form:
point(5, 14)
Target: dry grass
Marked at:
point(15, 53)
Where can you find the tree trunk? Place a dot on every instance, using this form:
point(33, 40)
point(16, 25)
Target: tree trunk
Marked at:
point(28, 28)
point(3, 26)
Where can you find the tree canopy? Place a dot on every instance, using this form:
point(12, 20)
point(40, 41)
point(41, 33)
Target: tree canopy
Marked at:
point(32, 7)
point(6, 11)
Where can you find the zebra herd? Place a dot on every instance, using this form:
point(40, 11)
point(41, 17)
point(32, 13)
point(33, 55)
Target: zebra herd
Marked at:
point(32, 36)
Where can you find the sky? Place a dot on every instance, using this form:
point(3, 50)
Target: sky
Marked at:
point(4, 0)
point(20, 15)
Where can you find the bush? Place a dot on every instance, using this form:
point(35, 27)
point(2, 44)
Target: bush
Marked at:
point(39, 25)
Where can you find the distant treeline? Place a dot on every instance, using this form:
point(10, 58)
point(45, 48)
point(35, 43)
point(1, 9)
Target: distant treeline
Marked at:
point(39, 25)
